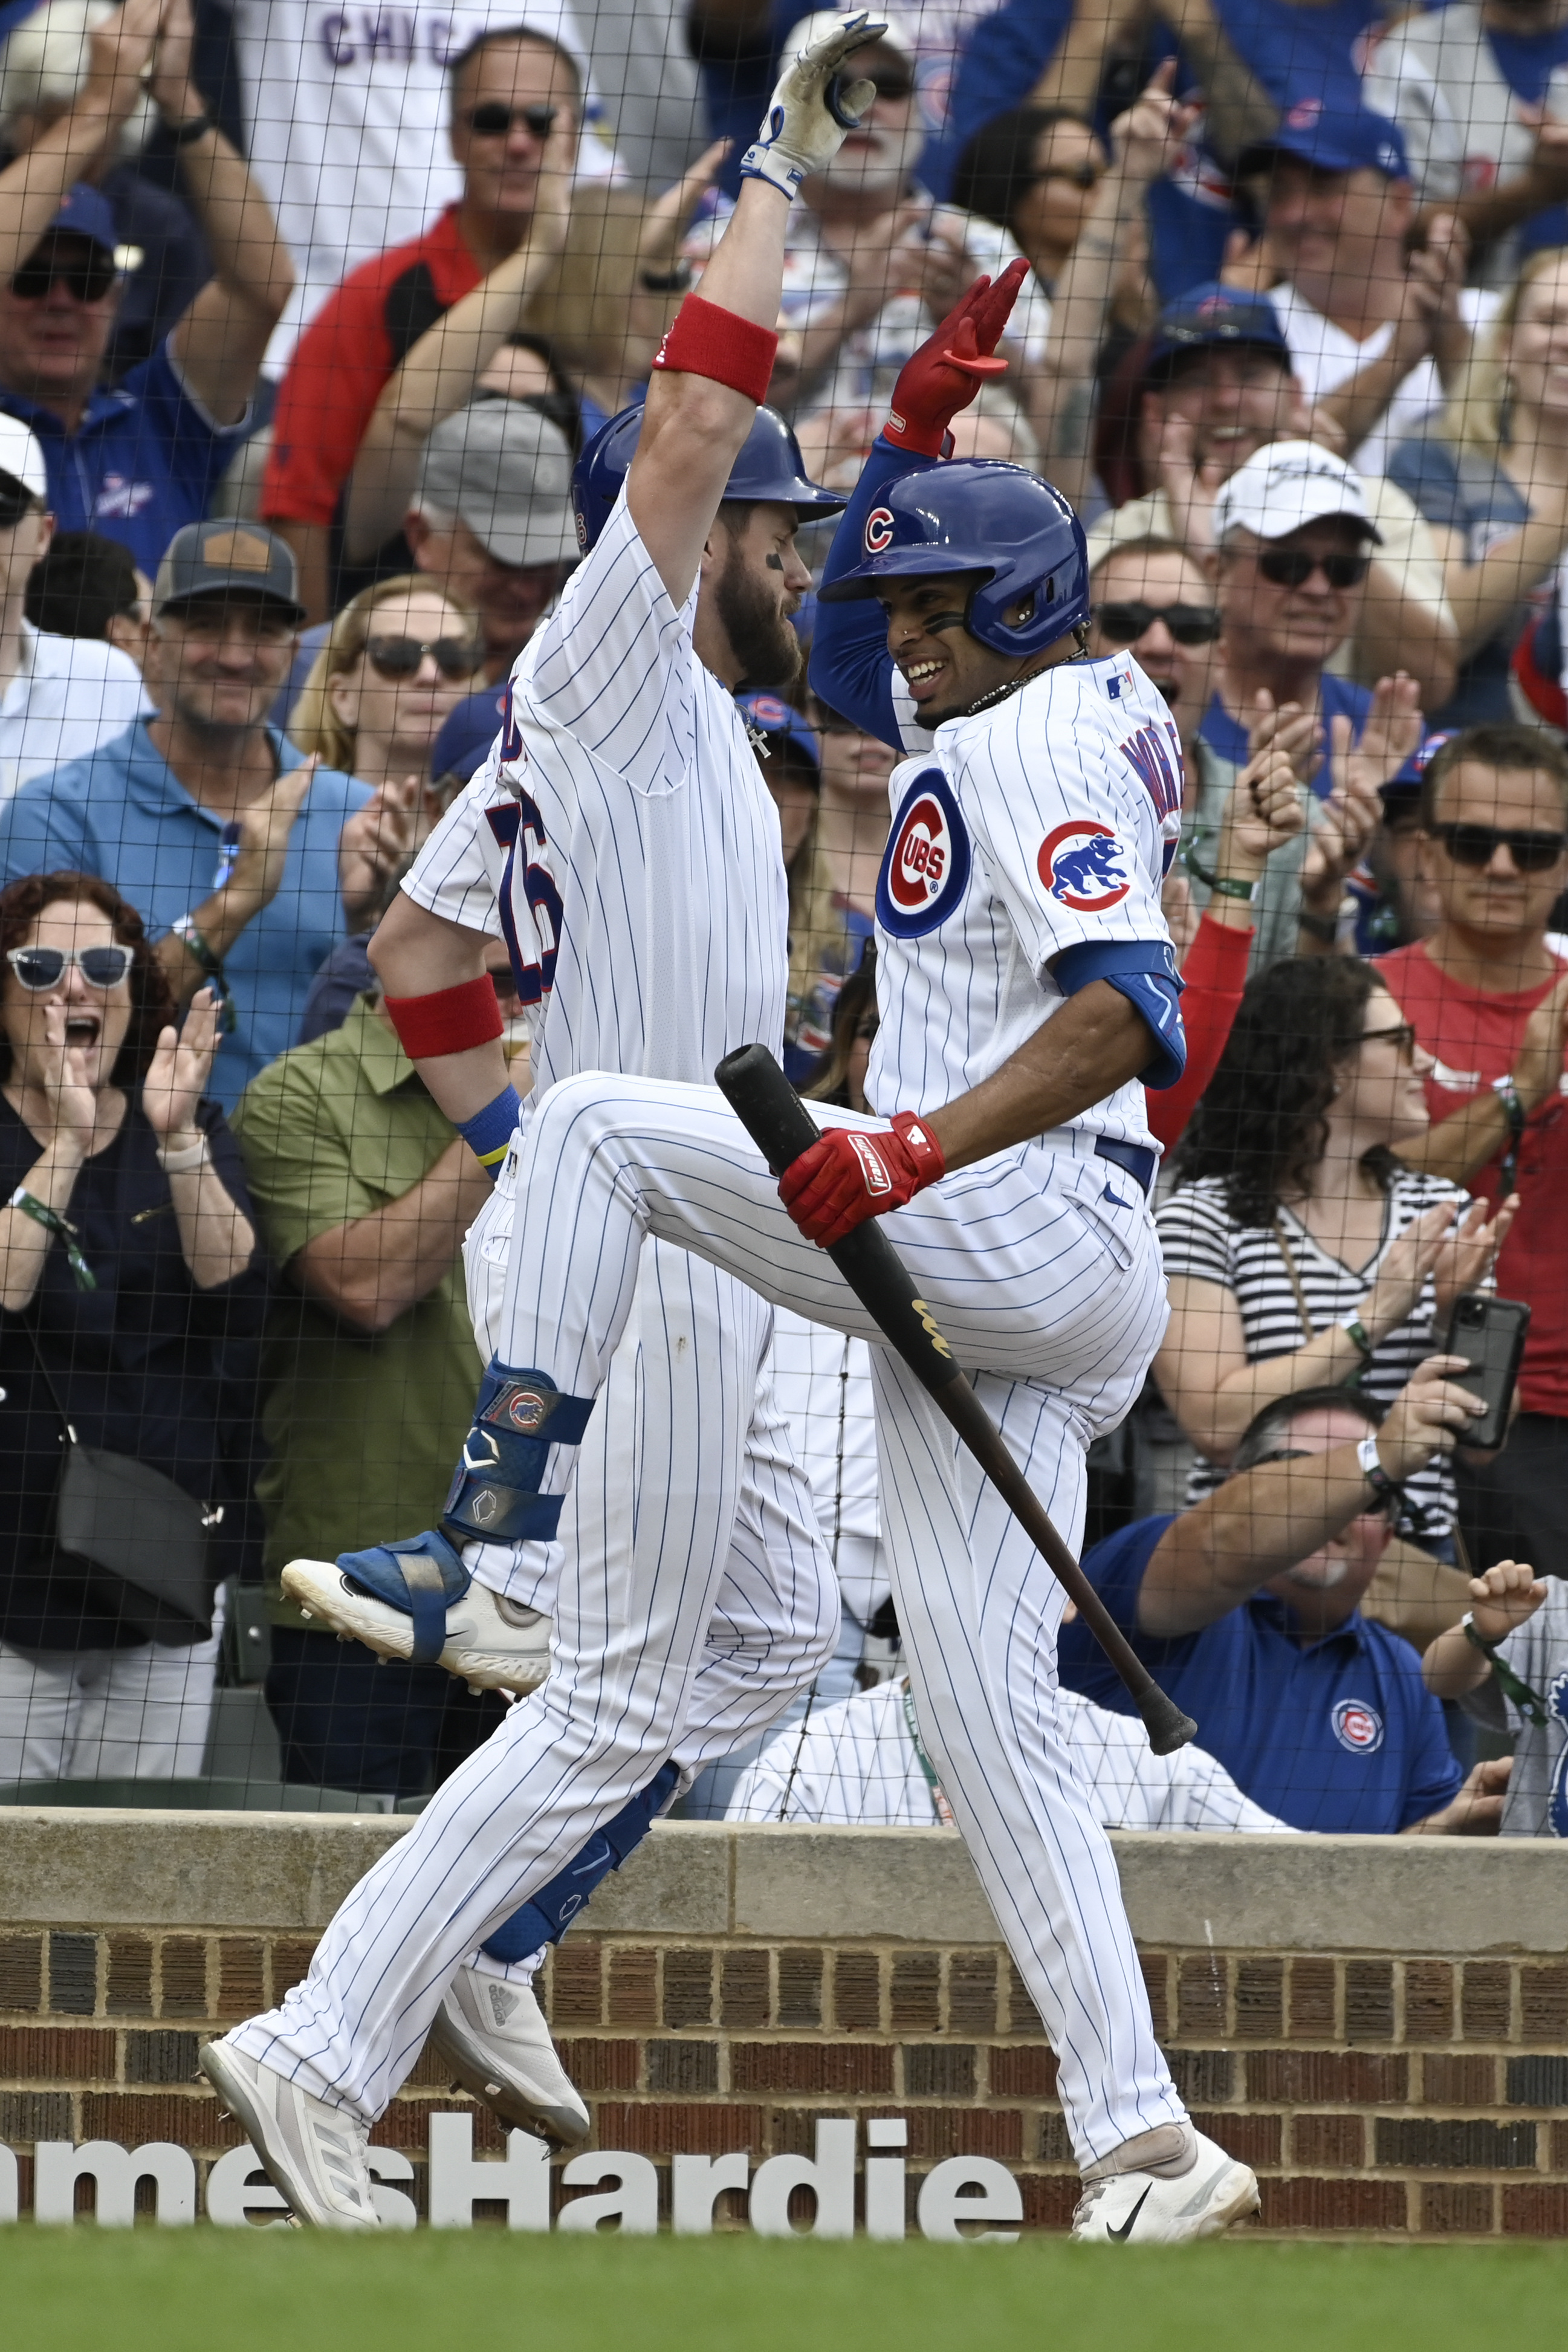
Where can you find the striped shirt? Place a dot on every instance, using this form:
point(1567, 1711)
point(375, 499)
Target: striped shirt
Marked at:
point(1202, 1241)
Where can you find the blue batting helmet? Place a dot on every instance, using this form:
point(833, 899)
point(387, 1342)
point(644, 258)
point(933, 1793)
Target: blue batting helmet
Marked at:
point(769, 466)
point(978, 514)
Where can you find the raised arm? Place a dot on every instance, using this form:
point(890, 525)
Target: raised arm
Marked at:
point(32, 187)
point(220, 343)
point(712, 368)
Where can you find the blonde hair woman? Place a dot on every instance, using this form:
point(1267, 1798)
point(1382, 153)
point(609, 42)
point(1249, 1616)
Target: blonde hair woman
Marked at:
point(396, 663)
point(1491, 478)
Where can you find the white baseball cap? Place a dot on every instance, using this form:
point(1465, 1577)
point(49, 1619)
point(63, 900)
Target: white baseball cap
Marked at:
point(1287, 484)
point(21, 458)
point(899, 32)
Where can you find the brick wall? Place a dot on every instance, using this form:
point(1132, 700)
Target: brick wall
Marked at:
point(1373, 2092)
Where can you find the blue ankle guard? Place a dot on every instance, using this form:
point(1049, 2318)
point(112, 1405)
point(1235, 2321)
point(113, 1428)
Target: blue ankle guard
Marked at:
point(421, 1574)
point(494, 1496)
point(546, 1917)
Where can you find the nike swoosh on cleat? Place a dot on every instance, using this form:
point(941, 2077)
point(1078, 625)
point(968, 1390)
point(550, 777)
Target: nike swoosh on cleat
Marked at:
point(1126, 2230)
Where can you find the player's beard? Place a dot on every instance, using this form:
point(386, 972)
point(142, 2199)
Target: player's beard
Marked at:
point(760, 639)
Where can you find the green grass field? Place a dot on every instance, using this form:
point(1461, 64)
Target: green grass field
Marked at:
point(201, 2291)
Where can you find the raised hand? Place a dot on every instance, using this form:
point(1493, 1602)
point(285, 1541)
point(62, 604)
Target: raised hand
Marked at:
point(1148, 137)
point(1505, 1597)
point(1405, 1266)
point(1470, 1250)
point(265, 827)
point(177, 1073)
point(375, 844)
point(1538, 1071)
point(944, 374)
point(812, 108)
point(1429, 1415)
point(1391, 736)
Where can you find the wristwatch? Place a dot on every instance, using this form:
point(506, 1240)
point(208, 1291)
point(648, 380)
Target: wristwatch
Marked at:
point(1386, 1488)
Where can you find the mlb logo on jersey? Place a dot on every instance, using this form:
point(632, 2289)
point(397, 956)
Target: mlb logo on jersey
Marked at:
point(1080, 863)
point(1357, 1726)
point(925, 869)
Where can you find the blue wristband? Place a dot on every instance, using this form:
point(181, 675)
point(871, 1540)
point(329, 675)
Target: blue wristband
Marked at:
point(490, 1131)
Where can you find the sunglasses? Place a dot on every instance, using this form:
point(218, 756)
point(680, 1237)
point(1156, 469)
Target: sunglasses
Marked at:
point(41, 969)
point(87, 281)
point(1478, 844)
point(1190, 625)
point(399, 657)
point(1293, 567)
point(1401, 1038)
point(495, 118)
point(1081, 175)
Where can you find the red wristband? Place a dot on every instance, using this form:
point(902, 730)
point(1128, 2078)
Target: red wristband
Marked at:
point(707, 340)
point(447, 1021)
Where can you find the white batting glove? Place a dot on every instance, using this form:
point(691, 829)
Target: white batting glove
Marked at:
point(811, 111)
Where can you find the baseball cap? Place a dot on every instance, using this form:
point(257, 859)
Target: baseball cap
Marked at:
point(23, 460)
point(1332, 139)
point(208, 559)
point(1213, 317)
point(770, 715)
point(898, 32)
point(84, 212)
point(506, 470)
point(1287, 484)
point(1403, 785)
point(463, 745)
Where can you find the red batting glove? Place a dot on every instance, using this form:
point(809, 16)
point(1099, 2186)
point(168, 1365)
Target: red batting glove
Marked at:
point(851, 1173)
point(950, 367)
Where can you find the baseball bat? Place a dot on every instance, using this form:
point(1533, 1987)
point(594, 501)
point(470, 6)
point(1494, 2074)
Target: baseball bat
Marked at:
point(778, 1123)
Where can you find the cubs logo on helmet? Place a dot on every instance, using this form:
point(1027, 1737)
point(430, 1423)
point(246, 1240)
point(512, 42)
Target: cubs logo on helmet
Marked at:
point(1081, 864)
point(879, 530)
point(1357, 1726)
point(925, 869)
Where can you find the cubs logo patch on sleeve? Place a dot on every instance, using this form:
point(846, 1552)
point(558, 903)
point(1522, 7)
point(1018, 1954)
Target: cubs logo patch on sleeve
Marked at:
point(925, 869)
point(1083, 864)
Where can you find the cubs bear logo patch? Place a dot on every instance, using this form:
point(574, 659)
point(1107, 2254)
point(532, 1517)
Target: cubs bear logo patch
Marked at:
point(1081, 863)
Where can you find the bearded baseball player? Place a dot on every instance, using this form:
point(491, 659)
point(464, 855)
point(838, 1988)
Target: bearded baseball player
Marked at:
point(623, 841)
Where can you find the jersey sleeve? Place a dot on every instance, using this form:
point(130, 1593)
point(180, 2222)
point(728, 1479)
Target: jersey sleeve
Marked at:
point(613, 665)
point(850, 667)
point(458, 873)
point(1072, 846)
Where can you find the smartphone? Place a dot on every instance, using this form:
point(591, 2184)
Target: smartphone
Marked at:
point(1489, 1333)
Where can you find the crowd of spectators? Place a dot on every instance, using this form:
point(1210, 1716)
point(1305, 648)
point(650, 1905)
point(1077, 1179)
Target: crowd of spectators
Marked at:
point(305, 316)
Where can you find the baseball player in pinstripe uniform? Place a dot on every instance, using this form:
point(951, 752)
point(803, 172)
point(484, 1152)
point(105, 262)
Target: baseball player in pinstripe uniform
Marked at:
point(622, 837)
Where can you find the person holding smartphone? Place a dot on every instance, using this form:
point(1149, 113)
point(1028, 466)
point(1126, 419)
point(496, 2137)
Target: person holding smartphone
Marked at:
point(1487, 996)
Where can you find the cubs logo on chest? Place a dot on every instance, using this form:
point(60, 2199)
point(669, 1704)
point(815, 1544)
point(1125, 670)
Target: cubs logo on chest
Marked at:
point(925, 870)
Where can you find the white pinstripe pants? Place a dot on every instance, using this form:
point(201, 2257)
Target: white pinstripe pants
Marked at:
point(1042, 1267)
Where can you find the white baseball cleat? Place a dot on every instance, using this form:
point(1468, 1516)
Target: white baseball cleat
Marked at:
point(1150, 2209)
point(492, 1643)
point(494, 2038)
point(315, 2154)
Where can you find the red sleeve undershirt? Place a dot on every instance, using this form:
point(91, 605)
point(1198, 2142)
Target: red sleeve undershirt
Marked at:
point(1215, 974)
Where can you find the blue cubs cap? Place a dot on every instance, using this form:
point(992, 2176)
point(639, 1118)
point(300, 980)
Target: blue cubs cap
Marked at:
point(463, 745)
point(1213, 317)
point(86, 213)
point(769, 714)
point(1332, 139)
point(1405, 782)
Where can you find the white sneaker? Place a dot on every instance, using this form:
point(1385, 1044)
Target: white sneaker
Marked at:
point(491, 1644)
point(494, 2038)
point(315, 2154)
point(1145, 2209)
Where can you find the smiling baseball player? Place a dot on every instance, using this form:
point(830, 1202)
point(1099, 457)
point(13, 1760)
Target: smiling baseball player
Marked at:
point(623, 839)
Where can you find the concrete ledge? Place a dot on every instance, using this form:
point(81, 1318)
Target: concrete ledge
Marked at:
point(288, 1872)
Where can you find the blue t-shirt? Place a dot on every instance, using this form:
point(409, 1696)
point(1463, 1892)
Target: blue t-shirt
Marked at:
point(1468, 490)
point(1342, 1736)
point(123, 814)
point(1341, 698)
point(140, 465)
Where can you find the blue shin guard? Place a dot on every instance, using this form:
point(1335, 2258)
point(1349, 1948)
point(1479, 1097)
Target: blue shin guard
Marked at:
point(421, 1574)
point(495, 1493)
point(545, 1919)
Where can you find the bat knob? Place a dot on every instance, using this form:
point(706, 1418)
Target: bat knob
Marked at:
point(1167, 1726)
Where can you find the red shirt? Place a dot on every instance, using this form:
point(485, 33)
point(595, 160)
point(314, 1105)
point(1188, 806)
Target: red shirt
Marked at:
point(1475, 1037)
point(362, 333)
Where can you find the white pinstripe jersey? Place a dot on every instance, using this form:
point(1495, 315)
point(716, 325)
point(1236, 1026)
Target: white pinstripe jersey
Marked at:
point(854, 1765)
point(621, 837)
point(1042, 824)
